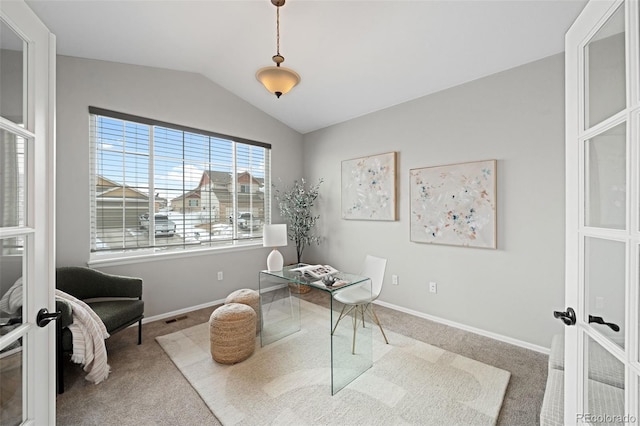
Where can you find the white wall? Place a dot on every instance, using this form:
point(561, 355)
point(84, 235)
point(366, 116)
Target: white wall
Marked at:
point(516, 117)
point(177, 97)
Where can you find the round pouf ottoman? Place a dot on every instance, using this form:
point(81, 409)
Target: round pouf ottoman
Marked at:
point(232, 329)
point(247, 297)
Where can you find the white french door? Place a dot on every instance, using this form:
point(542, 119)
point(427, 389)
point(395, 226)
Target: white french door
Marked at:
point(27, 195)
point(602, 372)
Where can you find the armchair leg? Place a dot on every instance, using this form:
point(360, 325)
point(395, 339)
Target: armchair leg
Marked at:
point(140, 332)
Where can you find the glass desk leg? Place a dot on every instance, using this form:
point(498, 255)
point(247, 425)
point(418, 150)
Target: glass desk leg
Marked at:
point(351, 342)
point(279, 309)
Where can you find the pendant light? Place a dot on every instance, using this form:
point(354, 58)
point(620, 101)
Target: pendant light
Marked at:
point(277, 79)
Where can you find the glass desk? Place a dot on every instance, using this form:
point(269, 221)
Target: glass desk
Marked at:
point(280, 316)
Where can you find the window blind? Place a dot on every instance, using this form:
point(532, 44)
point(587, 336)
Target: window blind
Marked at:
point(161, 186)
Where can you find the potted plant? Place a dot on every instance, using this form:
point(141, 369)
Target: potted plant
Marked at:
point(295, 205)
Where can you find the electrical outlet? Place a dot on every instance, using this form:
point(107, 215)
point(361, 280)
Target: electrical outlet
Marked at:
point(394, 279)
point(220, 276)
point(433, 287)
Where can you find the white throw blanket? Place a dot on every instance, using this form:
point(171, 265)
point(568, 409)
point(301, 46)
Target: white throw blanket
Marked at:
point(11, 301)
point(88, 332)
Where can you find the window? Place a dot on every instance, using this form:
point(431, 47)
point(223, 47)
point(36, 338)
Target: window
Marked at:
point(159, 186)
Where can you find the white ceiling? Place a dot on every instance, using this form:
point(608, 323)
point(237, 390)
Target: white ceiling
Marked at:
point(354, 57)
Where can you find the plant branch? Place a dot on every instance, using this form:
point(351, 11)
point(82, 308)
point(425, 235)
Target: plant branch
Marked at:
point(295, 205)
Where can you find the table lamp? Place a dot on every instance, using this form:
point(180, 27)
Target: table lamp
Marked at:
point(274, 236)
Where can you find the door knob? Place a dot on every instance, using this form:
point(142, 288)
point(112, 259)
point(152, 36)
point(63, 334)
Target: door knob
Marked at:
point(44, 317)
point(568, 317)
point(599, 320)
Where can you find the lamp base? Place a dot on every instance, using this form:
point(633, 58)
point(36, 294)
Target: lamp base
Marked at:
point(275, 261)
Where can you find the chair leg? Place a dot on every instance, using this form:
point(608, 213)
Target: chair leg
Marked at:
point(342, 315)
point(355, 328)
point(140, 332)
point(360, 310)
point(377, 321)
point(339, 318)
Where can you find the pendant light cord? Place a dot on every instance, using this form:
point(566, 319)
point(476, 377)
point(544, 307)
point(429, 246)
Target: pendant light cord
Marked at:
point(278, 31)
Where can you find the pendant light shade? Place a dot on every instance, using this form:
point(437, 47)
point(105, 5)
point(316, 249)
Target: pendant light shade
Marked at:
point(276, 79)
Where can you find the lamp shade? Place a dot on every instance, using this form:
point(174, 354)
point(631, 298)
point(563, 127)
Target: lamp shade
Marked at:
point(274, 235)
point(278, 80)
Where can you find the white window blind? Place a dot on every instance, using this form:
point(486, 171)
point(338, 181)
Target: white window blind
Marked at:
point(160, 186)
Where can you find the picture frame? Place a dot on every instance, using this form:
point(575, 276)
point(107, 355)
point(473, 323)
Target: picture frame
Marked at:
point(454, 204)
point(368, 187)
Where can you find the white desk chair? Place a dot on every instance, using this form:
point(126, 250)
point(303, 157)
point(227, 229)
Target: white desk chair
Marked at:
point(358, 299)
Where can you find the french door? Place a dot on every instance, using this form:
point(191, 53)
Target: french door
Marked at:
point(602, 372)
point(27, 179)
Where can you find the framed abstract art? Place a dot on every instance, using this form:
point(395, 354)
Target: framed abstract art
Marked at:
point(454, 204)
point(369, 187)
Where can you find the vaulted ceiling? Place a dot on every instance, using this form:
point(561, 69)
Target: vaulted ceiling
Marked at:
point(354, 57)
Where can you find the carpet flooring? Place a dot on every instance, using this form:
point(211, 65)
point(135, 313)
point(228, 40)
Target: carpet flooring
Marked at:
point(288, 382)
point(145, 387)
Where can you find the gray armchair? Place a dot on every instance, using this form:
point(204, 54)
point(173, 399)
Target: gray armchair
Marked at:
point(117, 300)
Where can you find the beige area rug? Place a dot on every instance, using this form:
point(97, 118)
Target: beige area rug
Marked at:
point(289, 382)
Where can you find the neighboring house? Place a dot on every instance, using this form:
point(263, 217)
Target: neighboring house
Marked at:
point(188, 203)
point(215, 193)
point(250, 194)
point(118, 206)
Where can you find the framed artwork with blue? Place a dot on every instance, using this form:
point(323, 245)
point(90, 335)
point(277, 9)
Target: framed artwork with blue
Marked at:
point(454, 204)
point(369, 187)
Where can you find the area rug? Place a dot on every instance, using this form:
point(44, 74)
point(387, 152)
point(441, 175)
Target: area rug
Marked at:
point(289, 382)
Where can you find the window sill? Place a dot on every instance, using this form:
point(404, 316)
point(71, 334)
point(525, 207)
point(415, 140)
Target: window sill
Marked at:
point(115, 259)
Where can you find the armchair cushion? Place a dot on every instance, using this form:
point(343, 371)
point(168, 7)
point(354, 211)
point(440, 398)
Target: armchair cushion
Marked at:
point(118, 314)
point(117, 300)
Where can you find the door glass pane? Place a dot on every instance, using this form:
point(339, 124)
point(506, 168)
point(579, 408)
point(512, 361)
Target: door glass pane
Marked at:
point(12, 179)
point(12, 81)
point(605, 86)
point(604, 280)
point(11, 385)
point(11, 286)
point(605, 179)
point(604, 399)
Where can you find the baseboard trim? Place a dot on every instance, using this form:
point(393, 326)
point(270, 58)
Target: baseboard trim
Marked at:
point(495, 336)
point(182, 311)
point(202, 306)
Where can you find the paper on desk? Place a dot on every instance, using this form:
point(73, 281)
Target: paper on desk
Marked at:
point(338, 283)
point(316, 271)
